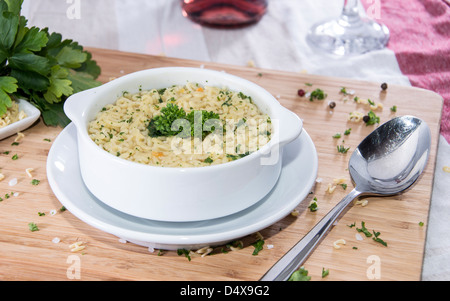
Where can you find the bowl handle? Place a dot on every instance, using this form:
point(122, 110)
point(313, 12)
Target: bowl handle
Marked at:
point(75, 105)
point(290, 127)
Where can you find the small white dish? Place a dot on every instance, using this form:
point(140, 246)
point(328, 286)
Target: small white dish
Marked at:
point(32, 115)
point(297, 177)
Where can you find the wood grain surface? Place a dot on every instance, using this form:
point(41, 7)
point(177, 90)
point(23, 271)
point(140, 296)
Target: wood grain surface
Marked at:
point(31, 255)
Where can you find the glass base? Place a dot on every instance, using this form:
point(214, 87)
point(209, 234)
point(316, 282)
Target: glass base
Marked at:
point(346, 36)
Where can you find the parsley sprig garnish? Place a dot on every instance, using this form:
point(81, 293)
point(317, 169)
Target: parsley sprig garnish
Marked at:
point(40, 66)
point(188, 124)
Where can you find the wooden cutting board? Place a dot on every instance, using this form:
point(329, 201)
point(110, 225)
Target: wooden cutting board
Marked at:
point(31, 255)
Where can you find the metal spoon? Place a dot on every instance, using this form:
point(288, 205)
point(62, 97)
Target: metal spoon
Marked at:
point(387, 162)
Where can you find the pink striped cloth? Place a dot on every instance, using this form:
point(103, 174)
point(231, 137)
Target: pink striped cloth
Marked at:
point(420, 39)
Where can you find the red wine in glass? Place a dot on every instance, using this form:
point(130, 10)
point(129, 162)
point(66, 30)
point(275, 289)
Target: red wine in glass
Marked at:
point(224, 13)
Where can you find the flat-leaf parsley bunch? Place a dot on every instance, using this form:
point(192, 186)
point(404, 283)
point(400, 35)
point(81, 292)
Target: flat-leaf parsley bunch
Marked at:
point(40, 66)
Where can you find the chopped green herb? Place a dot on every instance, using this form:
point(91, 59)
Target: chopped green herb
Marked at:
point(370, 102)
point(313, 205)
point(377, 239)
point(337, 135)
point(258, 246)
point(46, 139)
point(421, 224)
point(355, 248)
point(41, 213)
point(235, 157)
point(62, 209)
point(352, 225)
point(342, 149)
point(243, 96)
point(161, 125)
point(371, 118)
point(300, 275)
point(35, 182)
point(33, 227)
point(364, 230)
point(347, 132)
point(15, 143)
point(308, 84)
point(227, 102)
point(208, 160)
point(184, 252)
point(394, 109)
point(344, 185)
point(343, 91)
point(325, 272)
point(15, 157)
point(235, 244)
point(317, 94)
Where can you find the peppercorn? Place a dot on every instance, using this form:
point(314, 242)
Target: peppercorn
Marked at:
point(301, 92)
point(384, 86)
point(366, 118)
point(332, 104)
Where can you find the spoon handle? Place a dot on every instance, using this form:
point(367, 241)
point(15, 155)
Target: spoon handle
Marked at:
point(286, 265)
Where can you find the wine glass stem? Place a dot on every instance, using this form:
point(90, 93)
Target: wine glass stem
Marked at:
point(350, 12)
point(350, 4)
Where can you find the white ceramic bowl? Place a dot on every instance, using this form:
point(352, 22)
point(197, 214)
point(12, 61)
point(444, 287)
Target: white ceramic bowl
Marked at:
point(32, 115)
point(179, 194)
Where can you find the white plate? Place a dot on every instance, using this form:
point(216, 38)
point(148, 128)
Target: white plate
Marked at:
point(32, 115)
point(299, 171)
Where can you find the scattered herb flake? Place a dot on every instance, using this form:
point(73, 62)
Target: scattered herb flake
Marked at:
point(371, 118)
point(33, 227)
point(317, 94)
point(342, 149)
point(258, 246)
point(35, 182)
point(300, 275)
point(364, 230)
point(313, 205)
point(184, 252)
point(325, 272)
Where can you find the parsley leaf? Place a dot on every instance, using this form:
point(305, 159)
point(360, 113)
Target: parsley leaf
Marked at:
point(39, 66)
point(300, 275)
point(8, 85)
point(258, 246)
point(364, 230)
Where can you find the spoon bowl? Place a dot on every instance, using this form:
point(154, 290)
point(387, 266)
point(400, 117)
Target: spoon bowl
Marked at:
point(387, 162)
point(392, 157)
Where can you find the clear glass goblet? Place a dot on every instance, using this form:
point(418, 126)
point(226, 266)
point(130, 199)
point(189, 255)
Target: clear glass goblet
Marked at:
point(350, 34)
